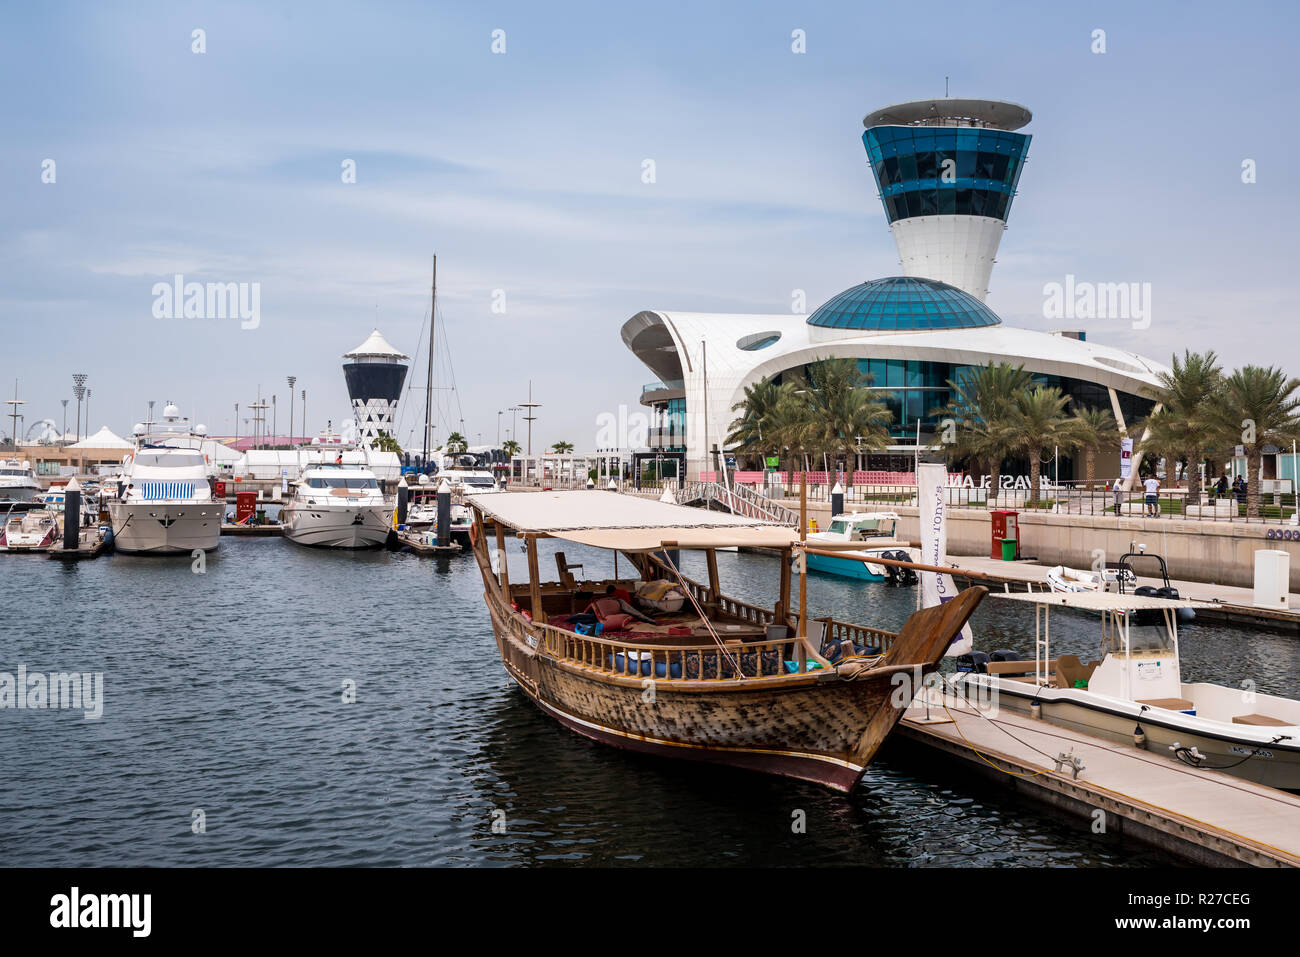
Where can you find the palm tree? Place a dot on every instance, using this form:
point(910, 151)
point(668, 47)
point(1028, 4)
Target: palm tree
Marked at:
point(562, 448)
point(1177, 428)
point(456, 443)
point(383, 442)
point(793, 429)
point(983, 408)
point(844, 415)
point(1040, 422)
point(1260, 405)
point(1094, 429)
point(510, 447)
point(757, 417)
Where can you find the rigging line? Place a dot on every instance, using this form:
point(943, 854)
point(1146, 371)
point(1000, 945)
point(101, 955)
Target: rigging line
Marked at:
point(703, 617)
point(451, 376)
point(410, 383)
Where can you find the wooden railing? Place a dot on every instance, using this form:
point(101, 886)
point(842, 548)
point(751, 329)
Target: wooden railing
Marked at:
point(859, 634)
point(703, 662)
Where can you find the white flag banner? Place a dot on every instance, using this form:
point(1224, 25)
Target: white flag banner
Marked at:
point(937, 588)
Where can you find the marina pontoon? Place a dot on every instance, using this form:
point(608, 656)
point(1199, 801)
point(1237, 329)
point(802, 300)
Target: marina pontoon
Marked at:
point(719, 680)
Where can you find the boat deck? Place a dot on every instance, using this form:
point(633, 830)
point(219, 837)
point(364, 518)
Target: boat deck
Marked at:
point(1234, 603)
point(1206, 816)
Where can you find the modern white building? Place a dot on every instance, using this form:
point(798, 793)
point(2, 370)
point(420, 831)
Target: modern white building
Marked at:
point(947, 171)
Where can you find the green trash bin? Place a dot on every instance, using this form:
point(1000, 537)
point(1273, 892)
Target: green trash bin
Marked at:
point(1008, 549)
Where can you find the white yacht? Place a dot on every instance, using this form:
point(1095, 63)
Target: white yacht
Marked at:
point(18, 482)
point(1135, 694)
point(468, 481)
point(337, 505)
point(165, 505)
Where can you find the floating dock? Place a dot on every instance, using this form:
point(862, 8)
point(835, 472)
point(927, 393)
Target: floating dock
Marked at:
point(252, 531)
point(416, 542)
point(1207, 817)
point(94, 542)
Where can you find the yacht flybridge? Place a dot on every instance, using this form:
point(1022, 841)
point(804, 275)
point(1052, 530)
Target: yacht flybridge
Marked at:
point(164, 504)
point(336, 501)
point(1135, 693)
point(18, 482)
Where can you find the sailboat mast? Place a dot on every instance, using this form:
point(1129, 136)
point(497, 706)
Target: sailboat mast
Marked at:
point(428, 392)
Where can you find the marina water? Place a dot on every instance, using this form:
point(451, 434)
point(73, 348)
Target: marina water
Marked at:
point(226, 737)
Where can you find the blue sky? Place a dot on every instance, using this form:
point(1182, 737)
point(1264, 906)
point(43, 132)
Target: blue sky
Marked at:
point(522, 172)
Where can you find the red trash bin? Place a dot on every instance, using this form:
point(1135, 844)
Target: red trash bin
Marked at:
point(1004, 526)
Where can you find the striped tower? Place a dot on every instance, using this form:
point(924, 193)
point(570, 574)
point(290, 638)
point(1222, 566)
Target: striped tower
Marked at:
point(375, 373)
point(947, 171)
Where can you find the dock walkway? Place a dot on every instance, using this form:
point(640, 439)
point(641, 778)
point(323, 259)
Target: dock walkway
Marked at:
point(1205, 816)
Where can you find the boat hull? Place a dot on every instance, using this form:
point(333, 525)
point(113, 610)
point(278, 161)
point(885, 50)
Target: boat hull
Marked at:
point(1276, 766)
point(845, 567)
point(337, 526)
point(823, 727)
point(155, 528)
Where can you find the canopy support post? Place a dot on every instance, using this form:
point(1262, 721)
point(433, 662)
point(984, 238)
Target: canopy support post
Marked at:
point(502, 557)
point(715, 588)
point(534, 579)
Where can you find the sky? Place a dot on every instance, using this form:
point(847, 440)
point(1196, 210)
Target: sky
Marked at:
point(522, 171)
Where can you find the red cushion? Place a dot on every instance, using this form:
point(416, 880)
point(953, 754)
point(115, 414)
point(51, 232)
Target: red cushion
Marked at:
point(616, 622)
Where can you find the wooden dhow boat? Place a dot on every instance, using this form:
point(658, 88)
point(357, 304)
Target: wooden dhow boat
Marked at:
point(721, 681)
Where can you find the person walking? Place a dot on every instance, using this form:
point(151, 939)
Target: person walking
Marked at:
point(1239, 489)
point(1221, 487)
point(1152, 486)
point(1118, 490)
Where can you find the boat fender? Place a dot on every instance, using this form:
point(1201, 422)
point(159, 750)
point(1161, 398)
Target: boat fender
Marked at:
point(1035, 709)
point(1139, 737)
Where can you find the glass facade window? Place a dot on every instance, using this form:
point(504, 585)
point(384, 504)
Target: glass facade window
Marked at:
point(901, 304)
point(923, 171)
point(913, 390)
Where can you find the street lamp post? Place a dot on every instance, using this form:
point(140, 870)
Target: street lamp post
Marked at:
point(291, 380)
point(79, 390)
point(64, 434)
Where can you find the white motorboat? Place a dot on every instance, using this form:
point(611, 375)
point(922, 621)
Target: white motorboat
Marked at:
point(164, 504)
point(30, 530)
point(1062, 578)
point(337, 505)
point(1135, 693)
point(876, 531)
point(18, 482)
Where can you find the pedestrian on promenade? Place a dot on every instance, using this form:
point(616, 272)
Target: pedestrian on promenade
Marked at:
point(1239, 488)
point(1152, 486)
point(1221, 487)
point(1118, 490)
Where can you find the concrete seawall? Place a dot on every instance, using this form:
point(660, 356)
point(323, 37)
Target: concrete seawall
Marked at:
point(1218, 552)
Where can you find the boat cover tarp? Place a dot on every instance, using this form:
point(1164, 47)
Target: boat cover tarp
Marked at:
point(605, 519)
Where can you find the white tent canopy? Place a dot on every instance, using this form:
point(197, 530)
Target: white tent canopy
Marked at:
point(609, 520)
point(105, 438)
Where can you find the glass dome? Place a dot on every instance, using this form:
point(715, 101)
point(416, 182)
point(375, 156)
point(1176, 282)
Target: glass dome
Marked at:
point(903, 304)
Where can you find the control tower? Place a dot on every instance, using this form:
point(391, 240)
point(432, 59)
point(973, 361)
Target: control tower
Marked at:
point(375, 373)
point(947, 171)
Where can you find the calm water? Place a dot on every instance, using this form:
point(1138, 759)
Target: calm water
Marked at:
point(223, 692)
